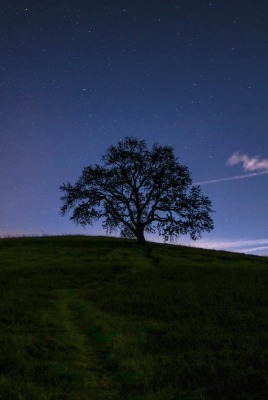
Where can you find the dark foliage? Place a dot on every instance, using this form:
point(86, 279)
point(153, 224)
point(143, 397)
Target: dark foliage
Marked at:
point(139, 190)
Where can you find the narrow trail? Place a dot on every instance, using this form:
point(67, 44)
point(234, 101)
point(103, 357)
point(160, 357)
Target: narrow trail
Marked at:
point(97, 383)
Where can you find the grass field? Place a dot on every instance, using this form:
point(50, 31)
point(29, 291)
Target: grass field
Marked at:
point(86, 318)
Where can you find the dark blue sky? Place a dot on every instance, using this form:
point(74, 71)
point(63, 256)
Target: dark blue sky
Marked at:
point(75, 77)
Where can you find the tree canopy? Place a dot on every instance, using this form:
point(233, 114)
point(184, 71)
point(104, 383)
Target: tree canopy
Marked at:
point(139, 190)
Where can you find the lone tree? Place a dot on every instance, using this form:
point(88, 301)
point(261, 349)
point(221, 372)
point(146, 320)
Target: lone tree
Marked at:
point(139, 190)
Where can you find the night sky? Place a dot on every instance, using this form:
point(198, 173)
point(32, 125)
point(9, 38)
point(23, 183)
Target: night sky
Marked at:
point(77, 76)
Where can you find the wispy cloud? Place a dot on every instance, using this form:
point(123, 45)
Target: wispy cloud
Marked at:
point(253, 250)
point(228, 244)
point(240, 246)
point(248, 164)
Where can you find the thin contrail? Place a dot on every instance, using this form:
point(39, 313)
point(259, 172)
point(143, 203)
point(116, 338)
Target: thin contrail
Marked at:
point(231, 178)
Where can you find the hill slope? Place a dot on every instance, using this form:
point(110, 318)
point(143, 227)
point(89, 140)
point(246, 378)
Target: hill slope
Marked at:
point(98, 318)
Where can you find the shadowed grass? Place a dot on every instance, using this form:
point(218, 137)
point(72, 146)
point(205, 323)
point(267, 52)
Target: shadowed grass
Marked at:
point(98, 318)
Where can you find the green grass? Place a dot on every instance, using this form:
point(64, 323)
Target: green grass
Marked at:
point(97, 318)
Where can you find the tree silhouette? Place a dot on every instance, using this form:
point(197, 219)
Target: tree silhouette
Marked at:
point(139, 190)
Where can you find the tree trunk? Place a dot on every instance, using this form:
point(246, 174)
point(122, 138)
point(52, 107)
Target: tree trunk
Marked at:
point(140, 235)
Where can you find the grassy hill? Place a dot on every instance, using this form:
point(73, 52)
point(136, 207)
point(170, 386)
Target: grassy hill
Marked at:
point(86, 318)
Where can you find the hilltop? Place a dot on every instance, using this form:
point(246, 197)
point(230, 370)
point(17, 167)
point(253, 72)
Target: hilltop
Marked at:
point(102, 318)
